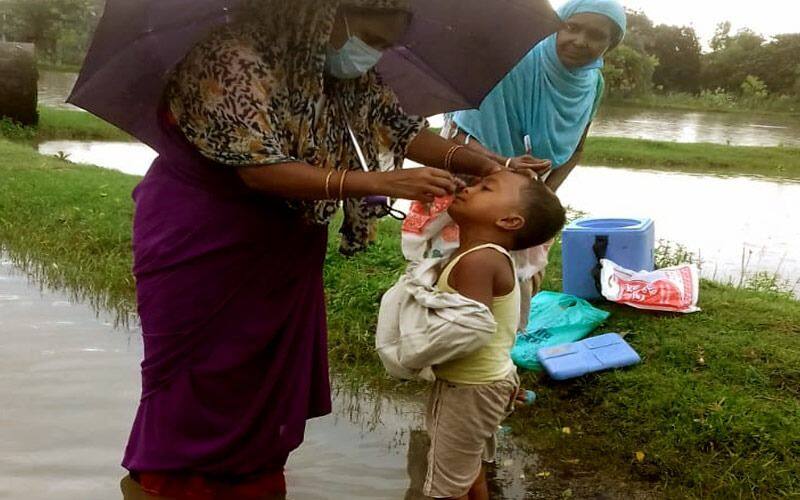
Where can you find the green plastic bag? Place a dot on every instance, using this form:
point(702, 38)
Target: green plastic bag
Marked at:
point(555, 318)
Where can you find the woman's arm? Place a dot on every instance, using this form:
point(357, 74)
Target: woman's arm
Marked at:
point(302, 181)
point(430, 149)
point(524, 162)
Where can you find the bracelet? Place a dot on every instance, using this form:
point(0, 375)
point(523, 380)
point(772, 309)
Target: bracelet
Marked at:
point(448, 159)
point(508, 162)
point(328, 185)
point(341, 185)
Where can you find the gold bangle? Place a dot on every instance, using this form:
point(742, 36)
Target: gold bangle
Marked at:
point(328, 185)
point(447, 157)
point(508, 162)
point(341, 185)
point(448, 161)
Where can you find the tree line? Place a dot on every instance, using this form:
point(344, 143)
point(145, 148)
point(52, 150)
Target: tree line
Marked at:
point(61, 29)
point(669, 59)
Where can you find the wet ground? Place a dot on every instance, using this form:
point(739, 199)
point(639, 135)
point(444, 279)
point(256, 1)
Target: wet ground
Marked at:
point(69, 385)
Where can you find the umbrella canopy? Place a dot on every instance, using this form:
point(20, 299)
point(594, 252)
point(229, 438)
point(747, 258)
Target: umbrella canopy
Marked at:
point(453, 54)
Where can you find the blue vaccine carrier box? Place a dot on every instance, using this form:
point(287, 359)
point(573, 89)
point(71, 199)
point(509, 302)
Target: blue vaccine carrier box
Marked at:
point(589, 355)
point(629, 243)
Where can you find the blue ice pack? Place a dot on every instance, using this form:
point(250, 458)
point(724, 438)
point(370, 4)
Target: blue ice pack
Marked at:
point(589, 355)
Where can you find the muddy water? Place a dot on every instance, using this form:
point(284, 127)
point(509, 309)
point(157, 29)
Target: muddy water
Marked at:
point(69, 384)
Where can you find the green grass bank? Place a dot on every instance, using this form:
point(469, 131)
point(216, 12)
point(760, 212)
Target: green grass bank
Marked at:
point(714, 408)
point(698, 158)
point(63, 125)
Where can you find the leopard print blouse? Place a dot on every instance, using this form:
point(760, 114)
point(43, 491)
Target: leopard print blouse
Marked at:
point(255, 94)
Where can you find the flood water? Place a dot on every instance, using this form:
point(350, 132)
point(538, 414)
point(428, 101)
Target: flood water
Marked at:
point(737, 226)
point(54, 88)
point(735, 129)
point(69, 384)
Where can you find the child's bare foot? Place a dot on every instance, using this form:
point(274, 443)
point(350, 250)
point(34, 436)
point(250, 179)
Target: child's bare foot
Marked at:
point(525, 397)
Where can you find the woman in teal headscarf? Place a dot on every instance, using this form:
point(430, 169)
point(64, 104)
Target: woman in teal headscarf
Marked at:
point(538, 115)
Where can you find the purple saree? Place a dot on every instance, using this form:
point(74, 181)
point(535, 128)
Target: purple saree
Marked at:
point(230, 294)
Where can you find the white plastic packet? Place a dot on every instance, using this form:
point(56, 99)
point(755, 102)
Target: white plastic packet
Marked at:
point(428, 231)
point(674, 289)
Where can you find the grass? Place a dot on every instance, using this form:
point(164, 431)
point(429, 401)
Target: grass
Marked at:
point(63, 124)
point(714, 408)
point(58, 67)
point(68, 226)
point(778, 162)
point(76, 125)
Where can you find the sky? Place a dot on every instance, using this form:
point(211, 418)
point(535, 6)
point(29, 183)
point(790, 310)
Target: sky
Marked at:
point(768, 17)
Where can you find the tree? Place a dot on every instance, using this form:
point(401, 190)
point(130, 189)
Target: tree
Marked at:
point(45, 23)
point(629, 72)
point(753, 88)
point(796, 86)
point(678, 53)
point(779, 63)
point(721, 36)
point(741, 55)
point(640, 30)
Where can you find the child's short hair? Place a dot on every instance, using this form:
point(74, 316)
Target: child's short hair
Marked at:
point(544, 215)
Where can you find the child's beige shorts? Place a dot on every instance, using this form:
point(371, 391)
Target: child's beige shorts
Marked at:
point(462, 420)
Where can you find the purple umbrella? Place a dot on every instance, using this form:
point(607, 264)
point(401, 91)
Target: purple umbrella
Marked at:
point(453, 54)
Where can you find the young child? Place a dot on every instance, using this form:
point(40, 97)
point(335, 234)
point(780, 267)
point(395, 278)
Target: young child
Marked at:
point(474, 394)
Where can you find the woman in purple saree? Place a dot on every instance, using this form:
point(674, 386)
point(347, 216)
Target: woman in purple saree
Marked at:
point(230, 235)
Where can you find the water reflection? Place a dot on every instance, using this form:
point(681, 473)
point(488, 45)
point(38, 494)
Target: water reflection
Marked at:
point(68, 384)
point(737, 129)
point(69, 387)
point(54, 87)
point(127, 157)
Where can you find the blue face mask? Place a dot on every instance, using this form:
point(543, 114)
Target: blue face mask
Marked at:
point(353, 60)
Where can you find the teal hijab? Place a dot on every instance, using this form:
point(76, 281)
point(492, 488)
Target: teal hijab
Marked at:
point(542, 98)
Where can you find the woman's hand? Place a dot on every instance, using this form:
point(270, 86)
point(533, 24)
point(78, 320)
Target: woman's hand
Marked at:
point(528, 162)
point(422, 184)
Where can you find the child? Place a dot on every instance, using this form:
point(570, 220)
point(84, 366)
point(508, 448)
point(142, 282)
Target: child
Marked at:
point(474, 394)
